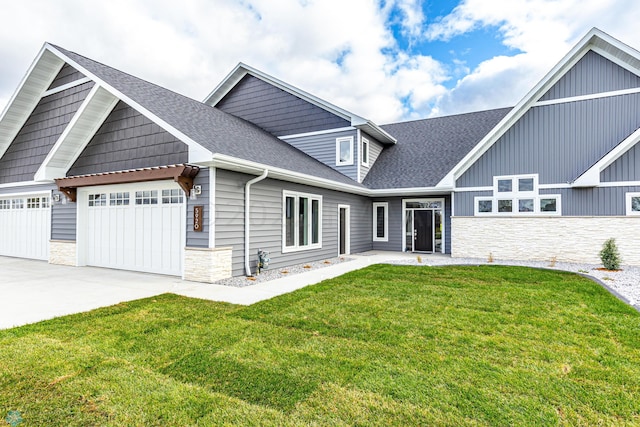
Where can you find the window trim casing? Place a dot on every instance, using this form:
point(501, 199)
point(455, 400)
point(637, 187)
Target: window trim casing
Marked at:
point(384, 205)
point(515, 195)
point(348, 139)
point(364, 161)
point(297, 248)
point(628, 204)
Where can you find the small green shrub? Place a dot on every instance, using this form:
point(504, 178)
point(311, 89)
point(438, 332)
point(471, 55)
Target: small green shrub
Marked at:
point(609, 255)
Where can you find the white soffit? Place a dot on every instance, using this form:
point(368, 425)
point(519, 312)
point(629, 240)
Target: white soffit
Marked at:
point(84, 124)
point(35, 82)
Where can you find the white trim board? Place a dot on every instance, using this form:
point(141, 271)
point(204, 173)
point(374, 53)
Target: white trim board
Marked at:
point(66, 86)
point(319, 132)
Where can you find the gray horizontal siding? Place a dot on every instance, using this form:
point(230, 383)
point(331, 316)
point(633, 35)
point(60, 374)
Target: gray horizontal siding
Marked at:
point(592, 74)
point(66, 75)
point(464, 201)
point(199, 239)
point(323, 148)
point(276, 111)
point(625, 168)
point(39, 133)
point(559, 142)
point(266, 220)
point(375, 148)
point(44, 188)
point(64, 219)
point(602, 201)
point(128, 140)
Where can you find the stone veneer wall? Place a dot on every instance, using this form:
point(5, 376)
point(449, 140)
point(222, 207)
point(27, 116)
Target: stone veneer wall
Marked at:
point(207, 264)
point(568, 239)
point(62, 252)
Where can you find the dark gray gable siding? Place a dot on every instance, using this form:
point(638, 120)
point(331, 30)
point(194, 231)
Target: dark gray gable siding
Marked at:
point(276, 111)
point(199, 239)
point(592, 74)
point(559, 142)
point(625, 168)
point(266, 220)
point(66, 75)
point(464, 201)
point(375, 148)
point(323, 148)
point(39, 133)
point(128, 140)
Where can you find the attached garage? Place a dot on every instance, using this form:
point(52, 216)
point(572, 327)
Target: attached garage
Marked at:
point(25, 225)
point(138, 226)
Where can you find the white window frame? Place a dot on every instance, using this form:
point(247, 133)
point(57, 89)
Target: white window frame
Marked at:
point(363, 150)
point(297, 247)
point(384, 205)
point(339, 141)
point(515, 195)
point(629, 196)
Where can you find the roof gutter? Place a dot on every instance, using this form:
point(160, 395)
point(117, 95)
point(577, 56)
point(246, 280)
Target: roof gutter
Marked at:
point(247, 216)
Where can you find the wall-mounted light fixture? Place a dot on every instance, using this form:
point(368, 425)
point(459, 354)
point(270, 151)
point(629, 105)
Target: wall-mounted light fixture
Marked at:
point(196, 190)
point(56, 198)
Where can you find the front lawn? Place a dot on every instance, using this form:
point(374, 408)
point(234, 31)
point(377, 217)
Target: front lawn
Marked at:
point(387, 345)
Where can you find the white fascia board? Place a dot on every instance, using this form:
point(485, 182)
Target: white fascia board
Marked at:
point(591, 177)
point(239, 165)
point(415, 191)
point(22, 184)
point(83, 125)
point(34, 83)
point(587, 43)
point(193, 145)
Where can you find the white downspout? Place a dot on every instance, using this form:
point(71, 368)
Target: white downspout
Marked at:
point(247, 211)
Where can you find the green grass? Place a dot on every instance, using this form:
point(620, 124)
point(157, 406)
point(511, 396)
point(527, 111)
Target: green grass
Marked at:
point(387, 345)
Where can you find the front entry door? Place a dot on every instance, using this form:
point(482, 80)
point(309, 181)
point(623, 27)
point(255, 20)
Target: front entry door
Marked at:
point(423, 230)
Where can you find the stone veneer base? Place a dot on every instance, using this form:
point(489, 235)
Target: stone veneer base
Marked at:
point(62, 252)
point(207, 264)
point(565, 239)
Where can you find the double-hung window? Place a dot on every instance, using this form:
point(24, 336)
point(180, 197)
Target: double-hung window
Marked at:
point(381, 222)
point(301, 221)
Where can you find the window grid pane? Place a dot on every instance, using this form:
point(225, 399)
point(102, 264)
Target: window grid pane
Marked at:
point(119, 199)
point(548, 205)
point(635, 203)
point(17, 204)
point(98, 199)
point(173, 196)
point(290, 226)
point(380, 221)
point(505, 186)
point(5, 204)
point(147, 197)
point(315, 221)
point(485, 206)
point(505, 205)
point(303, 221)
point(525, 205)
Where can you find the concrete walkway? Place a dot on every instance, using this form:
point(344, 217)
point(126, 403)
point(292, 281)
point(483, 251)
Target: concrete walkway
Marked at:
point(31, 291)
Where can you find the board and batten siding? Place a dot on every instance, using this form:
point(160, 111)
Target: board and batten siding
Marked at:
point(199, 239)
point(625, 168)
point(592, 74)
point(322, 147)
point(464, 201)
point(275, 110)
point(266, 220)
point(128, 140)
point(559, 142)
point(39, 133)
point(375, 148)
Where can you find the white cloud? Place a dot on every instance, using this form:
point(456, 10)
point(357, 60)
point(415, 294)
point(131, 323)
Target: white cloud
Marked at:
point(342, 51)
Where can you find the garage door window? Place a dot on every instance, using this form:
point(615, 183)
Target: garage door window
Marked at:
point(173, 196)
point(33, 203)
point(98, 199)
point(147, 197)
point(5, 205)
point(119, 199)
point(17, 204)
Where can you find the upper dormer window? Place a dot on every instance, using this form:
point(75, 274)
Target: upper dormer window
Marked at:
point(364, 152)
point(344, 151)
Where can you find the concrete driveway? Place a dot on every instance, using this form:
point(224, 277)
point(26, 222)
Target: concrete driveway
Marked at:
point(31, 291)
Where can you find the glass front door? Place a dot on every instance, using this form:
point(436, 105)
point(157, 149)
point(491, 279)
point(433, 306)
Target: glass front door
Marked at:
point(424, 226)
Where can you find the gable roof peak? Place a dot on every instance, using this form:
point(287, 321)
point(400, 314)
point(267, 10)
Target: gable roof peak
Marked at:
point(242, 69)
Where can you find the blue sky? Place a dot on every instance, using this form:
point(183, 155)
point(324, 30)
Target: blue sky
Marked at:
point(387, 60)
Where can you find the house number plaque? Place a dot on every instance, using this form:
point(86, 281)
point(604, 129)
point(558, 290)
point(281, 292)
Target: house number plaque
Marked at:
point(197, 217)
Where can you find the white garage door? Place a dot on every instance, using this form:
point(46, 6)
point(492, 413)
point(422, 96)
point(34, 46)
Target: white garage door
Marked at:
point(138, 227)
point(25, 226)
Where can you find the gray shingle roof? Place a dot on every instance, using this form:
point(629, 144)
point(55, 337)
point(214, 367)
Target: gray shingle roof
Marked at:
point(210, 127)
point(428, 149)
